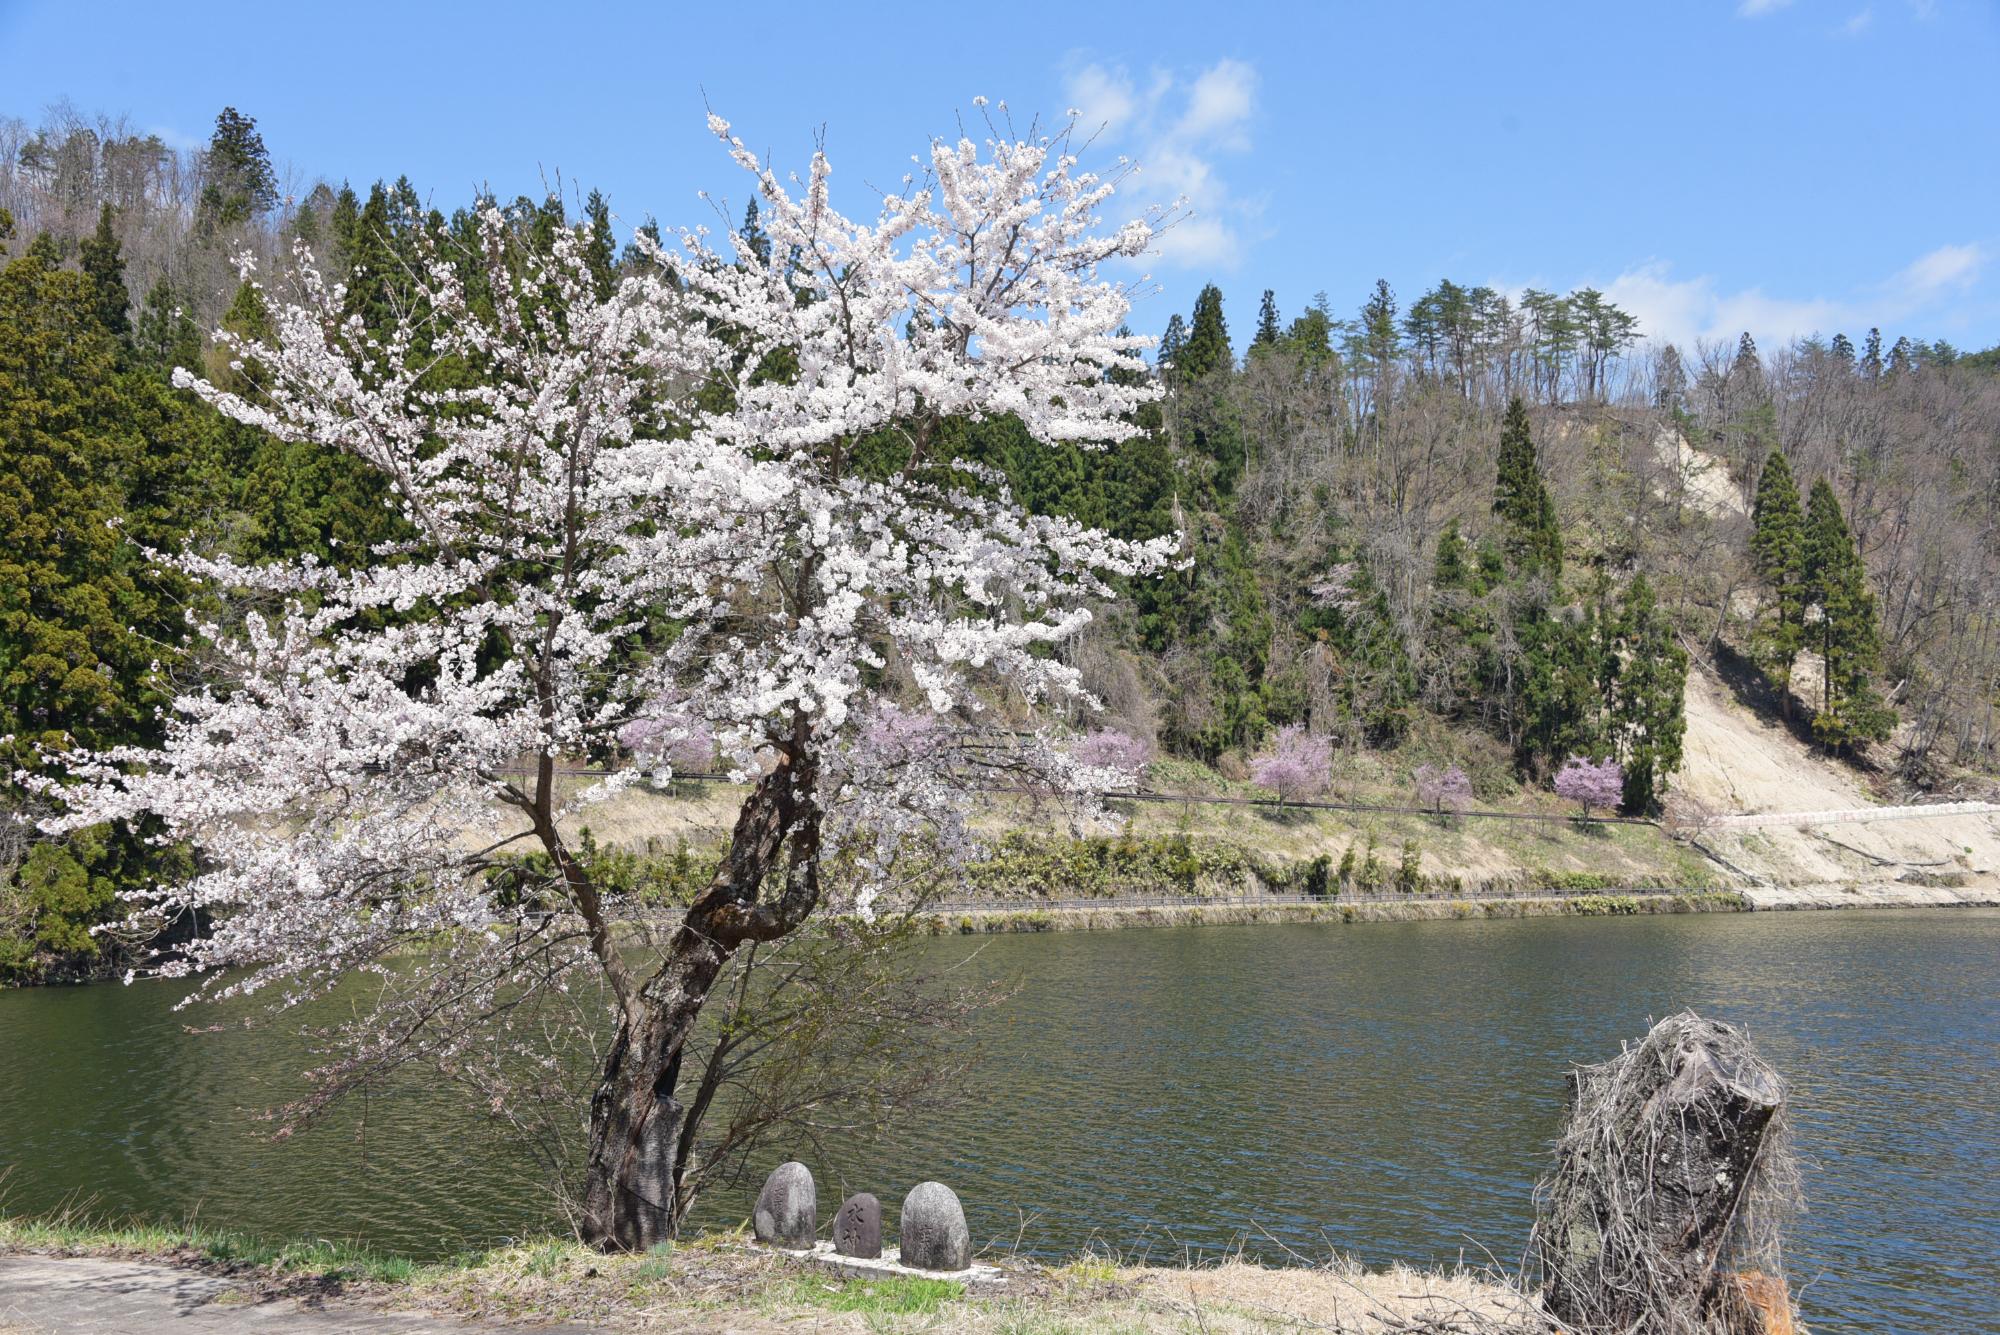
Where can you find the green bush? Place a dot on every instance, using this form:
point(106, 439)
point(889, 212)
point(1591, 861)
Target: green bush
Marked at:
point(1347, 864)
point(1409, 872)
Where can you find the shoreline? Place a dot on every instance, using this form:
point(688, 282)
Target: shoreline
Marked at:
point(1002, 917)
point(1027, 917)
point(1022, 917)
point(140, 1276)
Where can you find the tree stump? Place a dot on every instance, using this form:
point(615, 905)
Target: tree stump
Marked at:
point(1672, 1184)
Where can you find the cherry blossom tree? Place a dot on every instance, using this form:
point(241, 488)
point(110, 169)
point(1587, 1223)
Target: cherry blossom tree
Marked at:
point(1591, 783)
point(714, 508)
point(1120, 755)
point(1297, 766)
point(1443, 786)
point(666, 734)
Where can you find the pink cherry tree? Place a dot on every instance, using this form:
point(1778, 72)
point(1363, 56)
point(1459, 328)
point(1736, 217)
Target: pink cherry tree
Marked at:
point(1120, 758)
point(1443, 788)
point(579, 469)
point(1296, 766)
point(1591, 783)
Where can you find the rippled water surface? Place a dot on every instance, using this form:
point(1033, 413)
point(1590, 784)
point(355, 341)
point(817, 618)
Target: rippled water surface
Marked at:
point(1386, 1090)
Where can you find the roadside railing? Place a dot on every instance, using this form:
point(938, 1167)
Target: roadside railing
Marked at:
point(1214, 800)
point(1855, 815)
point(1161, 901)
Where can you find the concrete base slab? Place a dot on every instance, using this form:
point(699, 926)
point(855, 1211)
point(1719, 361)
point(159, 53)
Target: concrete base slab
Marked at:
point(983, 1277)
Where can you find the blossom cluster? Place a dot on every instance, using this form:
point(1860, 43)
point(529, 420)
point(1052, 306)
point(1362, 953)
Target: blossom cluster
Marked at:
point(1296, 766)
point(1443, 787)
point(1591, 783)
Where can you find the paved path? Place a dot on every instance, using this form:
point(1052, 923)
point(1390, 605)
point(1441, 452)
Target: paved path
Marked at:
point(1857, 815)
point(50, 1295)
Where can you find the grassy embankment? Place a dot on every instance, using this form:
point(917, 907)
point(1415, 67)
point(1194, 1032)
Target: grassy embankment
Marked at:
point(1070, 919)
point(1216, 860)
point(722, 1279)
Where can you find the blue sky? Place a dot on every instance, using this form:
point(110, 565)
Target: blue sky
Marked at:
point(1784, 166)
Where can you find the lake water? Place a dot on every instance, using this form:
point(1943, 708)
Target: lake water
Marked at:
point(1384, 1090)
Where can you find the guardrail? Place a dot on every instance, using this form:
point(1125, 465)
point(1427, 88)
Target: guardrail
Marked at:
point(1855, 815)
point(1742, 820)
point(942, 908)
point(1262, 803)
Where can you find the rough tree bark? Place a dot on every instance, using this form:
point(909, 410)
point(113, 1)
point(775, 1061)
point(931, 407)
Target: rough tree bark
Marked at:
point(636, 1122)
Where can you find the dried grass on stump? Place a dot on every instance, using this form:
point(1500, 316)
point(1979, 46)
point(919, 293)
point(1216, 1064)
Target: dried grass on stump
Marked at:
point(1673, 1185)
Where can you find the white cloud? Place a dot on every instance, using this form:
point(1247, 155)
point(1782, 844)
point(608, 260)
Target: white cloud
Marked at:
point(1858, 24)
point(1220, 103)
point(1177, 129)
point(1946, 268)
point(1683, 310)
point(173, 138)
point(1751, 9)
point(1102, 98)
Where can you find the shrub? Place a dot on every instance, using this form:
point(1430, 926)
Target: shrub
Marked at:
point(1371, 876)
point(1409, 872)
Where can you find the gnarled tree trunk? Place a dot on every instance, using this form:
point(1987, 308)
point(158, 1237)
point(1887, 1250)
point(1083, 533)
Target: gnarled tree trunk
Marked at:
point(636, 1123)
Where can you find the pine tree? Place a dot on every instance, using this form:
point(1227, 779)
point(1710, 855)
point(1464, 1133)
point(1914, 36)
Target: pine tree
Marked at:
point(1746, 372)
point(306, 226)
point(1207, 348)
point(309, 223)
point(1531, 529)
point(1553, 335)
point(754, 239)
point(166, 336)
point(375, 274)
point(1671, 385)
point(1378, 326)
point(248, 318)
point(83, 618)
point(1842, 351)
point(1871, 354)
point(1649, 713)
point(1847, 632)
point(601, 250)
point(1268, 332)
point(1777, 549)
point(1310, 337)
point(1173, 342)
point(633, 257)
point(1902, 357)
point(344, 228)
point(1559, 714)
point(1453, 568)
point(1423, 328)
point(1207, 422)
point(240, 182)
point(105, 267)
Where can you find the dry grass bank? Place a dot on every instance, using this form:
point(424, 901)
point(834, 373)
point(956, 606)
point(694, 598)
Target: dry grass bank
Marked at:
point(1475, 853)
point(1736, 762)
point(724, 1282)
